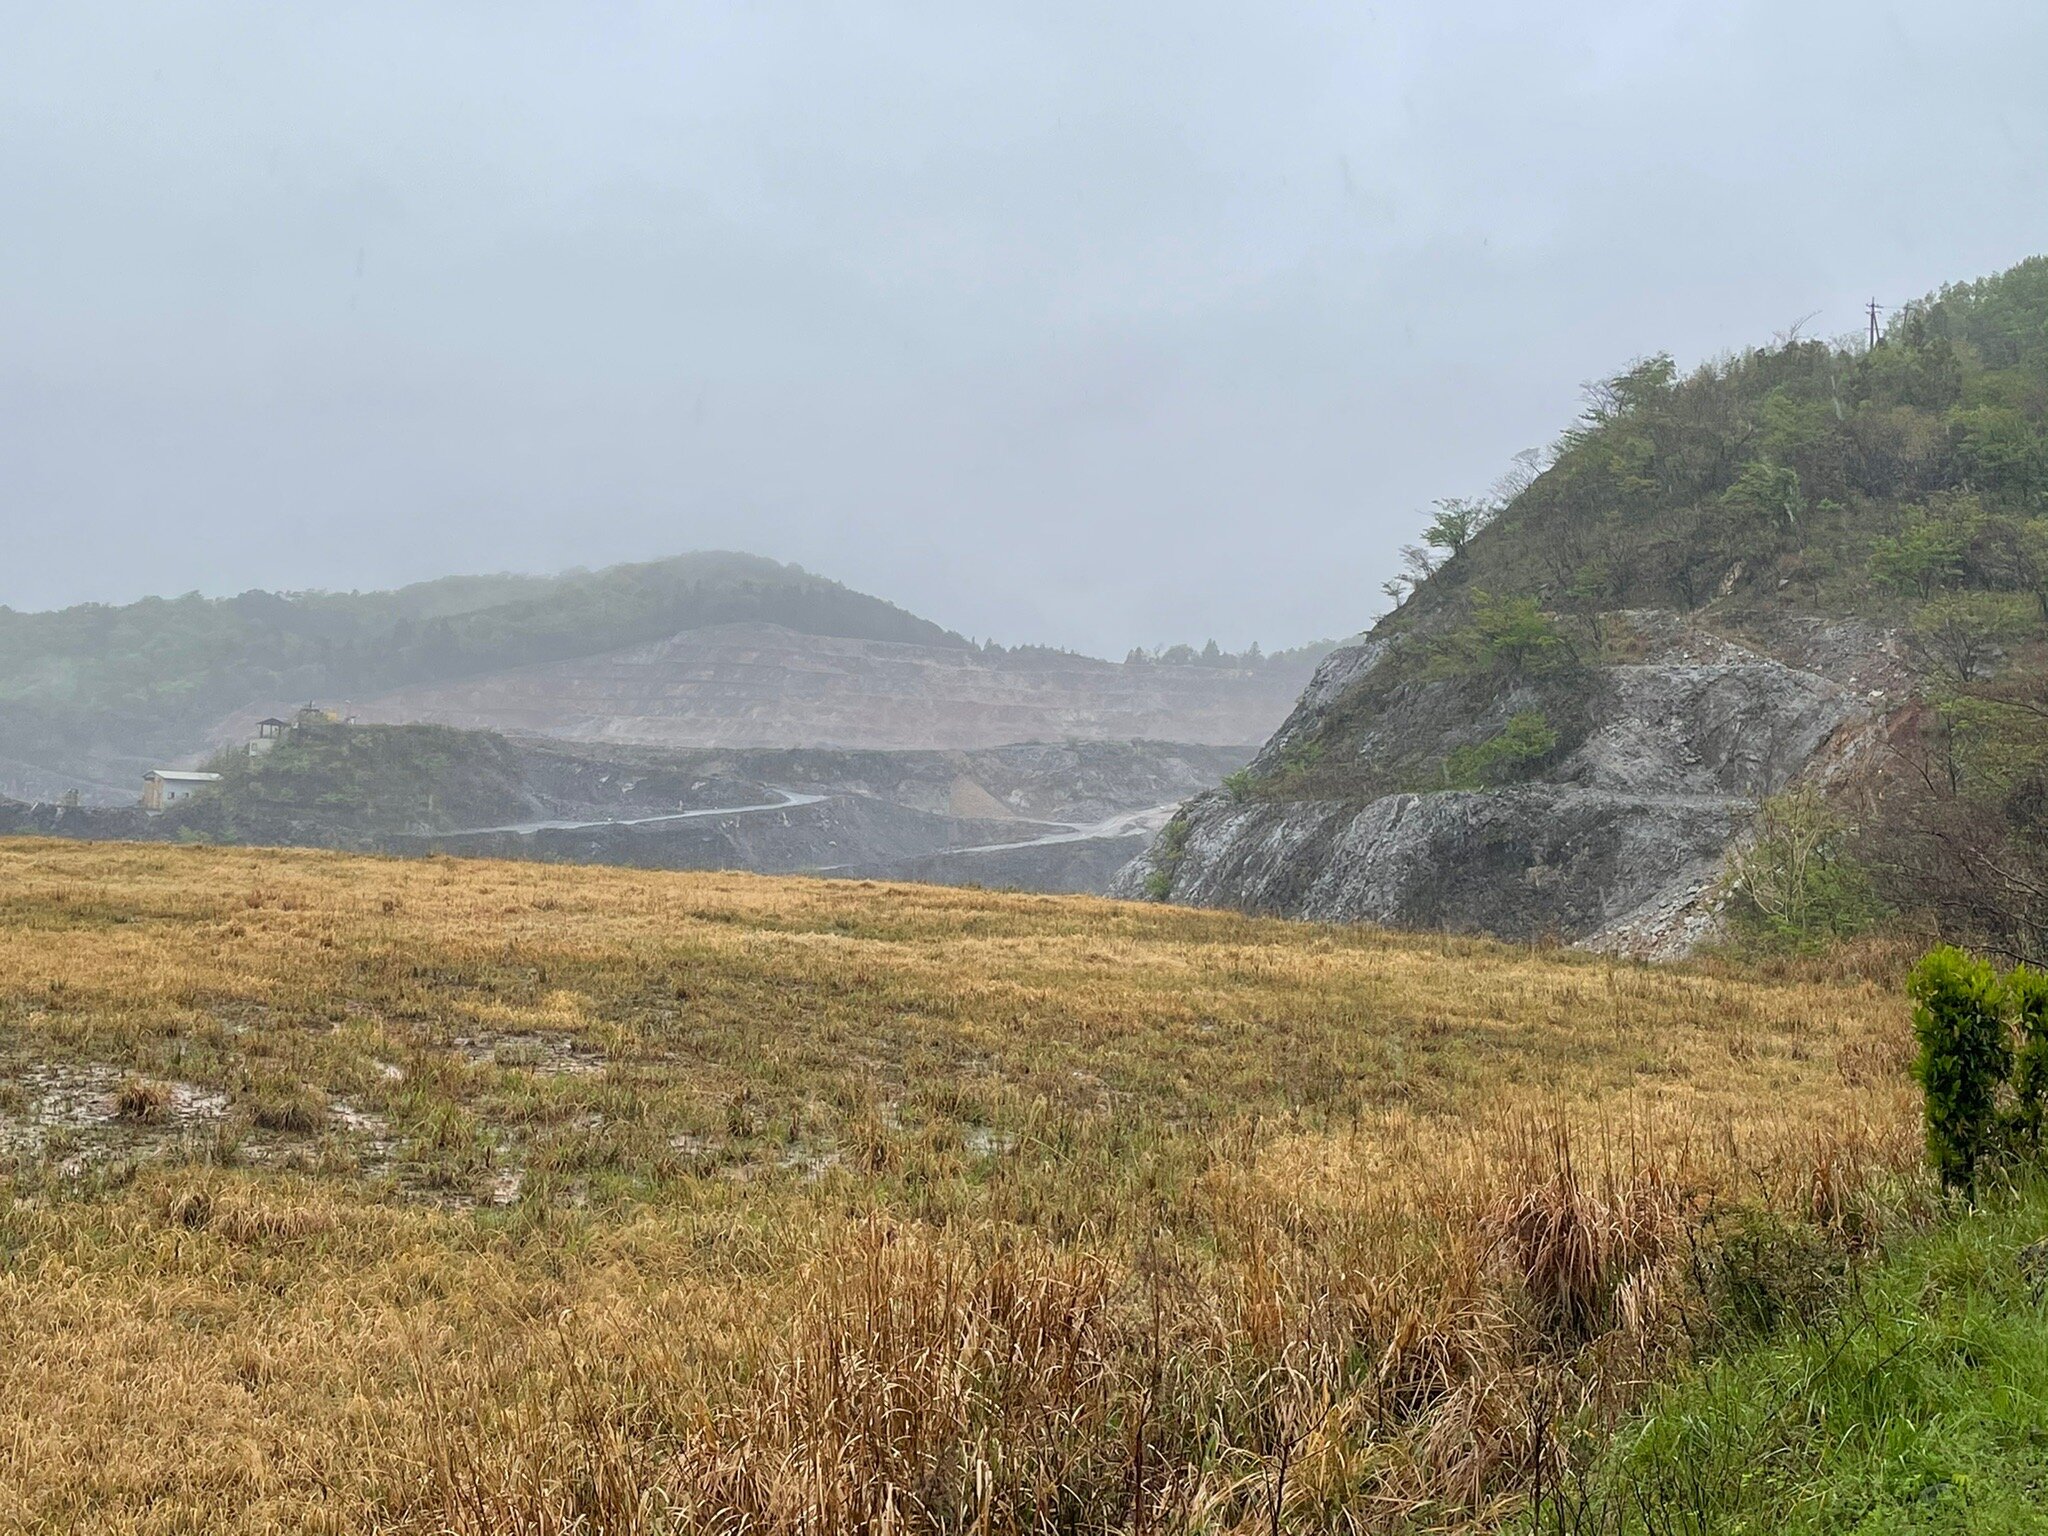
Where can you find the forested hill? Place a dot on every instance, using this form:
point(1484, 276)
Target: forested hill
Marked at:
point(1808, 568)
point(1846, 479)
point(120, 684)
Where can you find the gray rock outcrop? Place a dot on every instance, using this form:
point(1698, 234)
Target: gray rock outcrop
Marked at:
point(1618, 844)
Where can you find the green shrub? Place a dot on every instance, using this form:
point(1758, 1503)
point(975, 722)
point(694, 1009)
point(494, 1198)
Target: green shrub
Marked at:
point(1959, 1025)
point(1240, 784)
point(1518, 748)
point(1296, 773)
point(1766, 498)
point(1961, 635)
point(1173, 847)
point(1795, 886)
point(1758, 1271)
point(1506, 639)
point(1925, 555)
point(2026, 990)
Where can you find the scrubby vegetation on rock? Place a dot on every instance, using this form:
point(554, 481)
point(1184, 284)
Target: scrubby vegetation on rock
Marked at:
point(1796, 884)
point(326, 781)
point(1869, 521)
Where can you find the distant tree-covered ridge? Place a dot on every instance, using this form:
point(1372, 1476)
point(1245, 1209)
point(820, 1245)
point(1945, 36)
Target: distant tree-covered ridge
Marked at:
point(143, 674)
point(1212, 655)
point(101, 691)
point(130, 654)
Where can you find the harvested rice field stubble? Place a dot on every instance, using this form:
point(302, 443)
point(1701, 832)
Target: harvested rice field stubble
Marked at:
point(351, 1194)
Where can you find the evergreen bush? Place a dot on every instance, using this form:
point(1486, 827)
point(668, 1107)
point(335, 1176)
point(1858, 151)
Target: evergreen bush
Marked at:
point(1964, 1056)
point(2026, 990)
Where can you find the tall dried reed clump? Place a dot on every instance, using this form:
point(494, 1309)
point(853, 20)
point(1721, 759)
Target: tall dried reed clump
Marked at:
point(1282, 1375)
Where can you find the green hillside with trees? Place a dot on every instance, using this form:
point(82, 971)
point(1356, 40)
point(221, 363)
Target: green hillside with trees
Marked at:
point(145, 678)
point(1848, 479)
point(1901, 485)
point(332, 783)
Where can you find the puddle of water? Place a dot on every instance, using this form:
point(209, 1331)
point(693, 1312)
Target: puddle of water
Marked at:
point(353, 1117)
point(85, 1096)
point(73, 1110)
point(986, 1141)
point(506, 1184)
point(813, 1163)
point(71, 1113)
point(376, 1145)
point(84, 1099)
point(534, 1051)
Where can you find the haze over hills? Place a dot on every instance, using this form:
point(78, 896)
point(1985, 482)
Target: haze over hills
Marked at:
point(100, 693)
point(1809, 570)
point(712, 711)
point(713, 649)
point(761, 685)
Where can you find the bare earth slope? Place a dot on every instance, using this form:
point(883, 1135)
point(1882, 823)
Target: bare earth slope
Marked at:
point(758, 685)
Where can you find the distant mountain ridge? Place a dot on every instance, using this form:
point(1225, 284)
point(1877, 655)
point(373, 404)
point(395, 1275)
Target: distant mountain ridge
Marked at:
point(703, 650)
point(99, 691)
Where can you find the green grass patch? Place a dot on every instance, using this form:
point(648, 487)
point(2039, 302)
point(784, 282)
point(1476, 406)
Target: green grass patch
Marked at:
point(1514, 752)
point(1918, 1404)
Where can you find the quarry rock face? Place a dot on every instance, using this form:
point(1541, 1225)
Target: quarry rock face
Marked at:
point(1525, 863)
point(1068, 781)
point(1619, 844)
point(1037, 816)
point(943, 762)
point(758, 685)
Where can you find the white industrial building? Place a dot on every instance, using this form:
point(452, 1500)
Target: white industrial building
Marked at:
point(163, 788)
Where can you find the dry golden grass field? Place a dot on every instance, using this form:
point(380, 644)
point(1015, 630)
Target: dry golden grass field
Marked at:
point(349, 1194)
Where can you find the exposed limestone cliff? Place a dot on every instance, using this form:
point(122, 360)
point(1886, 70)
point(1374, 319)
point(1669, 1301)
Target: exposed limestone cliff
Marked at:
point(1534, 741)
point(1617, 842)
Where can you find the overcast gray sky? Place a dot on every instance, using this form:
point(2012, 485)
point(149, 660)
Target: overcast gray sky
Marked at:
point(1096, 324)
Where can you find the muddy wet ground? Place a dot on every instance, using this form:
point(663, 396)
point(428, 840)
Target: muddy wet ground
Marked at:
point(531, 1049)
point(72, 1116)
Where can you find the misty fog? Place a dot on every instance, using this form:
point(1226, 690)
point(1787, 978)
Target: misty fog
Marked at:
point(1092, 326)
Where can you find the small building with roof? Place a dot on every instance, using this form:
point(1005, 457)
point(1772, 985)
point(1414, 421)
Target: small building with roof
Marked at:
point(163, 788)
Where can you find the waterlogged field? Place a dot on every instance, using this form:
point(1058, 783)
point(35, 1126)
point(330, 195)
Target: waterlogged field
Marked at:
point(348, 1194)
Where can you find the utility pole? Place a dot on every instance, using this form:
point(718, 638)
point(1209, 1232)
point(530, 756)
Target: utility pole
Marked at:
point(1872, 307)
